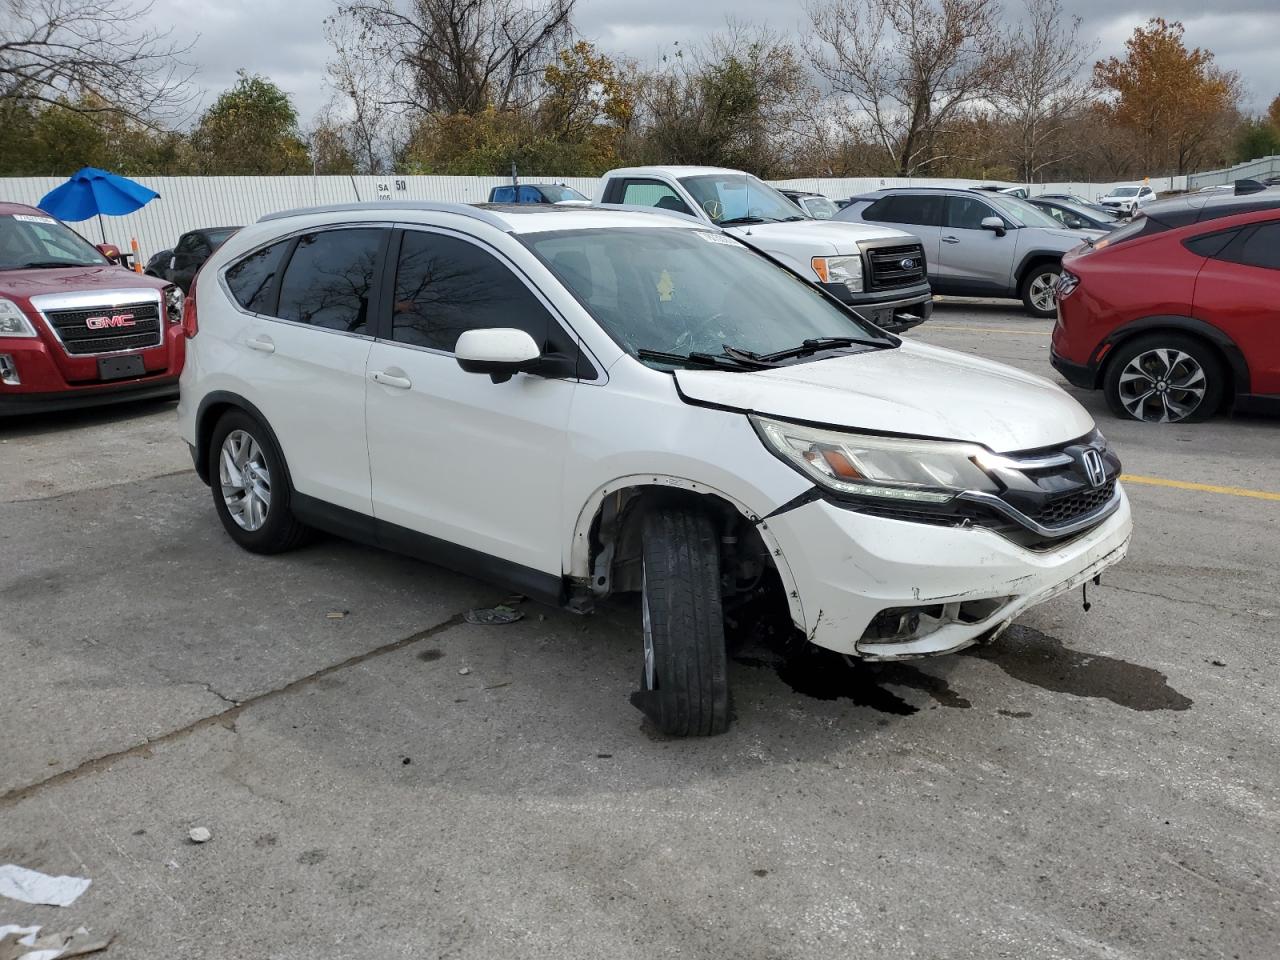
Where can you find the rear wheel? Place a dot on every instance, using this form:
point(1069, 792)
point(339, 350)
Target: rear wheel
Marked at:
point(1165, 378)
point(685, 675)
point(1040, 289)
point(250, 486)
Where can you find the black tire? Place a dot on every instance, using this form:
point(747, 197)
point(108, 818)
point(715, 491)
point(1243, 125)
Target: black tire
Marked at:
point(1050, 271)
point(689, 692)
point(1165, 405)
point(279, 530)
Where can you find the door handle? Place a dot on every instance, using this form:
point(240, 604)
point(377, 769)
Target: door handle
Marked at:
point(950, 239)
point(265, 344)
point(388, 379)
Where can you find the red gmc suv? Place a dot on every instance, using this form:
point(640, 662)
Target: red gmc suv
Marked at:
point(76, 329)
point(1177, 315)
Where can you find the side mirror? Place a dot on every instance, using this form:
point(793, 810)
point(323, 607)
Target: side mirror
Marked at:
point(110, 251)
point(994, 224)
point(501, 352)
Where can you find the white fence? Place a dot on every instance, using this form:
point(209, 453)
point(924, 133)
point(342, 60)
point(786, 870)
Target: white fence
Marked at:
point(1250, 169)
point(189, 202)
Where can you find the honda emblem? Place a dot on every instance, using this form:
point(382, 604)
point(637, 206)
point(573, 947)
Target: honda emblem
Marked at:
point(1094, 468)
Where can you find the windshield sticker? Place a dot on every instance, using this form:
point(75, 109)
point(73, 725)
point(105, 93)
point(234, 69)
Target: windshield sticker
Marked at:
point(716, 238)
point(666, 286)
point(27, 218)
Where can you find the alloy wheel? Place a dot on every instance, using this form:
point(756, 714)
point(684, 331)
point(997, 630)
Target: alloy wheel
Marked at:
point(1044, 291)
point(1162, 386)
point(245, 480)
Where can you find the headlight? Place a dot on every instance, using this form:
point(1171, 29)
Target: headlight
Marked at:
point(923, 471)
point(846, 270)
point(173, 304)
point(13, 322)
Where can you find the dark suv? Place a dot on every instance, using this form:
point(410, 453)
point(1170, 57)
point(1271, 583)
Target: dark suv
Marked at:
point(1177, 313)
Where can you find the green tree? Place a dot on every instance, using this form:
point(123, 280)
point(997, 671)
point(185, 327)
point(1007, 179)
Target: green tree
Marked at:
point(1257, 138)
point(251, 129)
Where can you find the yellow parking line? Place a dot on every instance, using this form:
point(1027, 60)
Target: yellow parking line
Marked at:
point(1016, 333)
point(1202, 487)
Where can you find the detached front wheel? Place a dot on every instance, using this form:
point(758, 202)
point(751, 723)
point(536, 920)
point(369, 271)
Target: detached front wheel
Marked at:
point(685, 675)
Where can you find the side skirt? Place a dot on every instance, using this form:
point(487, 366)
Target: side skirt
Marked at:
point(352, 525)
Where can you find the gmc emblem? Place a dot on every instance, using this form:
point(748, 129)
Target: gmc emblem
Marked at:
point(103, 323)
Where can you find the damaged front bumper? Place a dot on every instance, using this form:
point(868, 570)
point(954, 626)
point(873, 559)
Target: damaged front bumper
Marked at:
point(887, 589)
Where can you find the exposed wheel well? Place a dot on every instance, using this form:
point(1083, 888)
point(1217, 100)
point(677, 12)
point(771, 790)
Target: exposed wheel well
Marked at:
point(748, 562)
point(207, 417)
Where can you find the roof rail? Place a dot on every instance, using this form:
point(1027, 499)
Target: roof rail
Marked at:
point(429, 206)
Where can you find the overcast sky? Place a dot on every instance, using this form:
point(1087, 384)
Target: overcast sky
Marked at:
point(284, 39)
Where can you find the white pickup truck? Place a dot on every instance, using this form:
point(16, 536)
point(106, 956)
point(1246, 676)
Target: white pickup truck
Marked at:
point(879, 271)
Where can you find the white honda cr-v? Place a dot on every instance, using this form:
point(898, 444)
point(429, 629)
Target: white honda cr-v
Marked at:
point(577, 402)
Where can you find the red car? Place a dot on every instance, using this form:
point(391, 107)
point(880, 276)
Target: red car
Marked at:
point(75, 328)
point(1177, 315)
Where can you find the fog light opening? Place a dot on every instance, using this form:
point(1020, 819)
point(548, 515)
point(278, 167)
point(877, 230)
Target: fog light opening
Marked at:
point(905, 624)
point(9, 371)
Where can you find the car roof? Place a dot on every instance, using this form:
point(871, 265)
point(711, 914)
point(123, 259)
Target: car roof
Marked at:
point(215, 230)
point(12, 208)
point(673, 171)
point(1199, 207)
point(509, 218)
point(547, 183)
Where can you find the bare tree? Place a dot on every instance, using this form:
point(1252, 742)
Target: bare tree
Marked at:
point(1044, 87)
point(85, 56)
point(908, 67)
point(363, 104)
point(461, 56)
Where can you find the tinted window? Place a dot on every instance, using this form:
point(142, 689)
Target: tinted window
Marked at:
point(330, 278)
point(503, 195)
point(967, 213)
point(252, 280)
point(923, 209)
point(530, 195)
point(1210, 245)
point(445, 286)
point(1260, 248)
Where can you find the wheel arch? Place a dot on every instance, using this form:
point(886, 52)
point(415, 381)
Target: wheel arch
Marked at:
point(1228, 352)
point(1030, 260)
point(609, 523)
point(210, 411)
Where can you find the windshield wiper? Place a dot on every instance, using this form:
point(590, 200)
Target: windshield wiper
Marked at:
point(813, 345)
point(743, 361)
point(42, 264)
point(734, 221)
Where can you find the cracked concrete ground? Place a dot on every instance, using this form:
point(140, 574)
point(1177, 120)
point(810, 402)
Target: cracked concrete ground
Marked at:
point(1094, 785)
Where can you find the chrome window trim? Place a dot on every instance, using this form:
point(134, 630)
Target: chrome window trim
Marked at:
point(107, 299)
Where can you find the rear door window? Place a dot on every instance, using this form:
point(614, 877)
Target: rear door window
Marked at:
point(503, 195)
point(252, 281)
point(331, 277)
point(1261, 248)
point(923, 210)
point(653, 193)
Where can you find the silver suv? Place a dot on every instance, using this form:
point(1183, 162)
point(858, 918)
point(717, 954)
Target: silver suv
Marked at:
point(978, 244)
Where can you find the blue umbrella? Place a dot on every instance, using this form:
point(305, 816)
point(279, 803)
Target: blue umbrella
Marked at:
point(93, 192)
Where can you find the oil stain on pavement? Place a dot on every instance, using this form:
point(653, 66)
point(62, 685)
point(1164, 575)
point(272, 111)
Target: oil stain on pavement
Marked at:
point(1026, 654)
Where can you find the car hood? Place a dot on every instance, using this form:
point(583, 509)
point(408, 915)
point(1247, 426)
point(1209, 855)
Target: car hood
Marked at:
point(914, 390)
point(1069, 238)
point(31, 283)
point(823, 237)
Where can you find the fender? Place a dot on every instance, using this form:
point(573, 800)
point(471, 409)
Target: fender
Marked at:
point(579, 565)
point(1037, 254)
point(204, 427)
point(1235, 357)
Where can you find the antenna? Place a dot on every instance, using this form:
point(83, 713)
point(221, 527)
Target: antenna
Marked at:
point(746, 185)
point(515, 180)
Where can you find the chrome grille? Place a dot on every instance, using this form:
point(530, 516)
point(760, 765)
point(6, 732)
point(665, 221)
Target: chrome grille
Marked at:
point(79, 339)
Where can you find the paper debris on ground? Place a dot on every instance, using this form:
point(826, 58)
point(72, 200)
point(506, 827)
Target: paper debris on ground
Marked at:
point(31, 886)
point(22, 943)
